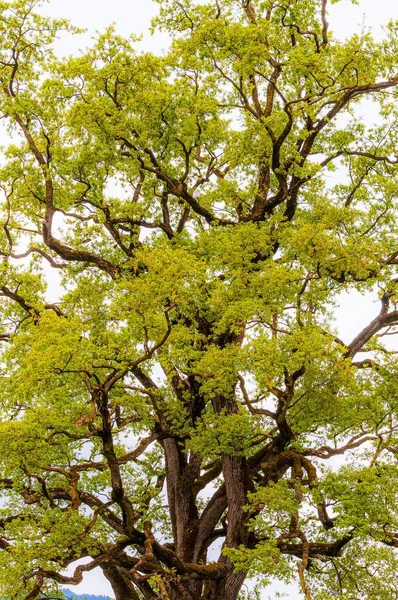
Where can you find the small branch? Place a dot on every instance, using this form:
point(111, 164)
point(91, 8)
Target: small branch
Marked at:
point(134, 454)
point(325, 25)
point(249, 404)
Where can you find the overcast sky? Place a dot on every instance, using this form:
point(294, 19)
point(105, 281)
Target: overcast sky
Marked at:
point(133, 16)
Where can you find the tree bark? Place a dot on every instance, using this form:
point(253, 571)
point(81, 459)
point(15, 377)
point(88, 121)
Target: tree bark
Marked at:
point(122, 587)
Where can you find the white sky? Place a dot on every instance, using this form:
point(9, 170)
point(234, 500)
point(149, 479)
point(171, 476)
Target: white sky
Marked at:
point(133, 16)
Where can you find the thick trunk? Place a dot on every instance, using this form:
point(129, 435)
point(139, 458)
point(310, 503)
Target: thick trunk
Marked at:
point(225, 589)
point(208, 522)
point(233, 497)
point(121, 586)
point(180, 478)
point(237, 484)
point(184, 513)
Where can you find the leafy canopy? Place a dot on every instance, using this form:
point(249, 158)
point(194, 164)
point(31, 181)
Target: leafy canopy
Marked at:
point(182, 414)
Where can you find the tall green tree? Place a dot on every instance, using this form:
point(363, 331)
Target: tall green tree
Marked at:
point(182, 414)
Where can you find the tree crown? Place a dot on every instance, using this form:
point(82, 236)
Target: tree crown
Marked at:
point(177, 413)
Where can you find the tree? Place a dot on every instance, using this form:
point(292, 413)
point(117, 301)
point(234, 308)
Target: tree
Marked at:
point(175, 414)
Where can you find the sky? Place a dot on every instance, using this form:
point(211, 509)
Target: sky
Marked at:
point(133, 16)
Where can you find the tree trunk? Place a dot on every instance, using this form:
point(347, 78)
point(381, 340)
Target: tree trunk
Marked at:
point(121, 586)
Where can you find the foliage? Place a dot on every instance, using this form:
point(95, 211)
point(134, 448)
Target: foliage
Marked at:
point(182, 414)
